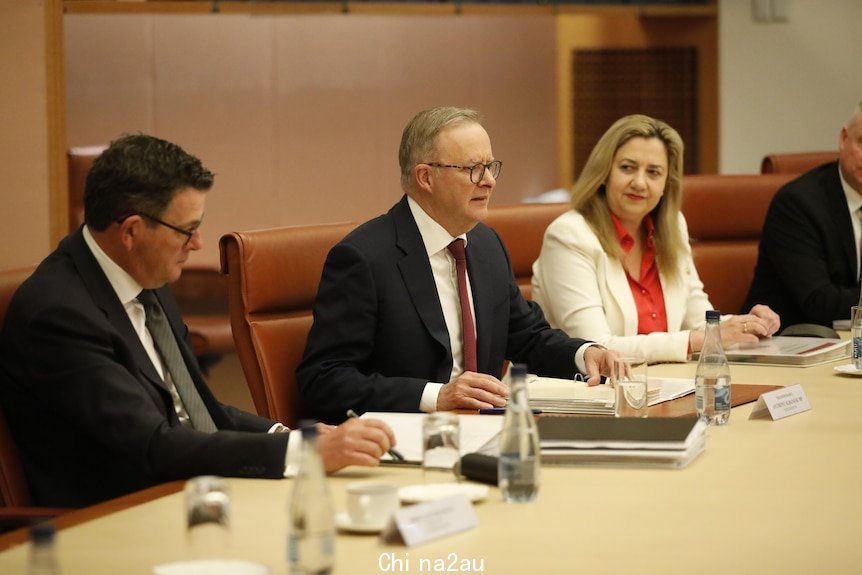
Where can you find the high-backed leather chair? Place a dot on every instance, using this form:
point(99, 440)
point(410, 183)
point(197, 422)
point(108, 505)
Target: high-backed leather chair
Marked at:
point(725, 215)
point(201, 291)
point(795, 163)
point(16, 508)
point(273, 277)
point(522, 229)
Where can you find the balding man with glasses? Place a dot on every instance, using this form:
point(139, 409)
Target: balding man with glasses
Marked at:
point(418, 309)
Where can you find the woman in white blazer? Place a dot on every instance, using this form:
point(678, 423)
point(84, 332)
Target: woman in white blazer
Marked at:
point(617, 268)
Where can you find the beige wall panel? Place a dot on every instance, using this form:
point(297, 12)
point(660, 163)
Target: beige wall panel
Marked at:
point(355, 82)
point(24, 217)
point(786, 86)
point(300, 116)
point(109, 77)
point(213, 95)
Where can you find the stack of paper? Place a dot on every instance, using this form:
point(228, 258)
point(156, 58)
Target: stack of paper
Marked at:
point(659, 441)
point(553, 395)
point(566, 396)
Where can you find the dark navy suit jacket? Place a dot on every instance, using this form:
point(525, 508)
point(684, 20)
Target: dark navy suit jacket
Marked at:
point(807, 260)
point(90, 415)
point(379, 335)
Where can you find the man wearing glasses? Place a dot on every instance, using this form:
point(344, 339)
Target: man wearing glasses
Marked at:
point(418, 309)
point(97, 377)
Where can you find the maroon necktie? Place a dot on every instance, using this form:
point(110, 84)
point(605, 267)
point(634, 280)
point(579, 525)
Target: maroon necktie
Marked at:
point(468, 333)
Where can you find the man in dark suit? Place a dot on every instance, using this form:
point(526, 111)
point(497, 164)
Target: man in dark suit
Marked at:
point(808, 262)
point(391, 329)
point(103, 396)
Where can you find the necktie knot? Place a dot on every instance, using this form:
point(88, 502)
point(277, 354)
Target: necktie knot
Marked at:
point(457, 249)
point(149, 300)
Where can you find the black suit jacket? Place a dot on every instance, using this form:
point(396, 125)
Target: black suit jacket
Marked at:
point(379, 335)
point(90, 415)
point(807, 261)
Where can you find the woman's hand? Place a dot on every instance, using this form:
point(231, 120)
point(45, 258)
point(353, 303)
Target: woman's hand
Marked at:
point(746, 328)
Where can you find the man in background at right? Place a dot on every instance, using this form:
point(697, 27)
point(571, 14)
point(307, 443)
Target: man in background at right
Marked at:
point(808, 266)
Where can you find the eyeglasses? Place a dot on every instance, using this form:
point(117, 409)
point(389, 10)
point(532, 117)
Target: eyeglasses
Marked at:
point(477, 171)
point(188, 233)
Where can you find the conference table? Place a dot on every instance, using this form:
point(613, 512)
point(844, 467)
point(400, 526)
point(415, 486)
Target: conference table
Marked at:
point(782, 496)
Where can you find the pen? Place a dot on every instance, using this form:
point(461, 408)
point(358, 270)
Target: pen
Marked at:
point(603, 379)
point(393, 453)
point(501, 411)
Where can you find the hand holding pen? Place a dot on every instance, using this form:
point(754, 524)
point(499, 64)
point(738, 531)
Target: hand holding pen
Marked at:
point(393, 453)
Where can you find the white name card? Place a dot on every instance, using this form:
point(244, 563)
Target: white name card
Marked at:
point(425, 522)
point(781, 403)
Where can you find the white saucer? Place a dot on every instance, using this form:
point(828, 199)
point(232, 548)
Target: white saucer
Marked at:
point(344, 523)
point(211, 567)
point(848, 369)
point(432, 491)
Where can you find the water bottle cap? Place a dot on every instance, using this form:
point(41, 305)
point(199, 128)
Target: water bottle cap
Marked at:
point(713, 314)
point(519, 369)
point(42, 532)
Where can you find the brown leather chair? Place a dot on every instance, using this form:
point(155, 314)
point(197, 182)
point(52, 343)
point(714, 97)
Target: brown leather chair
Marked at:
point(80, 160)
point(273, 277)
point(725, 215)
point(522, 229)
point(201, 291)
point(795, 163)
point(16, 508)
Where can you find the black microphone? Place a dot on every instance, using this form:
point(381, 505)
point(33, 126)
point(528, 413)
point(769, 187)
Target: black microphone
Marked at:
point(478, 467)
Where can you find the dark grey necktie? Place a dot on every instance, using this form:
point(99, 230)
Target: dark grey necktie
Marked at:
point(166, 344)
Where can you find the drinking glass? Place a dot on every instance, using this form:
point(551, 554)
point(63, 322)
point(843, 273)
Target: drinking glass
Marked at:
point(207, 516)
point(440, 446)
point(629, 378)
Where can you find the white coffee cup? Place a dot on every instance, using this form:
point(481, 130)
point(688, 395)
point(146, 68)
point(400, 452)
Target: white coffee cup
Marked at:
point(371, 502)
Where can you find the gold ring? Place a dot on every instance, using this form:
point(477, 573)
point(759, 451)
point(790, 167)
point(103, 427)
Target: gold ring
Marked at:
point(745, 327)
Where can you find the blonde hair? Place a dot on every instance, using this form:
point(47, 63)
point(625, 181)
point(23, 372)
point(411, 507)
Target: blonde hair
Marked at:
point(588, 192)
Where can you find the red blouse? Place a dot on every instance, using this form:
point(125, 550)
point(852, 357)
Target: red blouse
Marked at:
point(646, 290)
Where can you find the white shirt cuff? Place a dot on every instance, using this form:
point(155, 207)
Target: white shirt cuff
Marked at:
point(291, 458)
point(428, 402)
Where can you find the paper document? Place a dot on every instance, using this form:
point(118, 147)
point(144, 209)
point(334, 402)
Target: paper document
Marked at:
point(475, 432)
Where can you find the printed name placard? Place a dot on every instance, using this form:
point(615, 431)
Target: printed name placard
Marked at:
point(425, 522)
point(781, 403)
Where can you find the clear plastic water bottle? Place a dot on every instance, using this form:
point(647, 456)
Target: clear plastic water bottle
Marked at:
point(712, 379)
point(42, 560)
point(520, 462)
point(311, 519)
point(856, 333)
